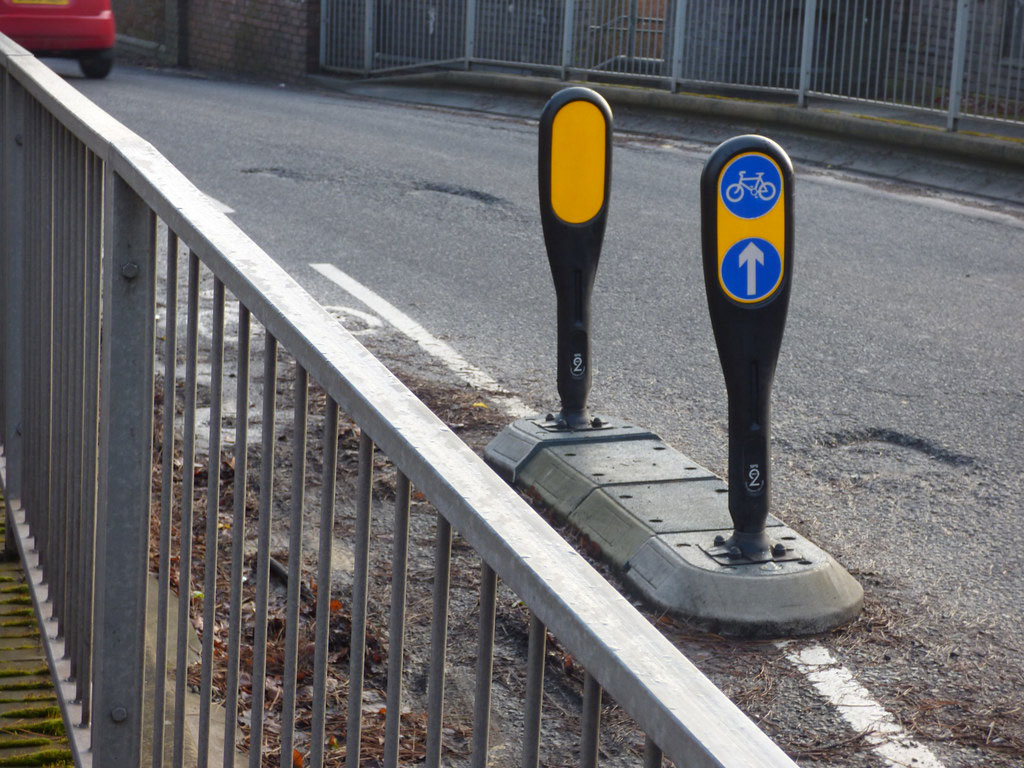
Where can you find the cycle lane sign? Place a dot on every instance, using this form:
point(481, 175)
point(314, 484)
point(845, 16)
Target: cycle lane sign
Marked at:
point(751, 227)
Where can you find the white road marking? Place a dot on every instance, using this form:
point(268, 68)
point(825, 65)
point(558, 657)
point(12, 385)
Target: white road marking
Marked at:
point(371, 321)
point(865, 715)
point(943, 202)
point(429, 343)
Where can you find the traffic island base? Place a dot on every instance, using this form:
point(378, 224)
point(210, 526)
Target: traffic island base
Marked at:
point(660, 519)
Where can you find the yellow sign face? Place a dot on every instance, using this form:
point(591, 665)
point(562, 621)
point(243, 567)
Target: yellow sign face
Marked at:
point(577, 162)
point(751, 228)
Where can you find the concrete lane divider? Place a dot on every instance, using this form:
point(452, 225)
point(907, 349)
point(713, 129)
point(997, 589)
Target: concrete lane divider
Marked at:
point(680, 536)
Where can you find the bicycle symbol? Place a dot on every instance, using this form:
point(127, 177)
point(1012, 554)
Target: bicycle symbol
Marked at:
point(755, 185)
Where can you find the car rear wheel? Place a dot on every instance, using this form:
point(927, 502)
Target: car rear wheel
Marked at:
point(96, 65)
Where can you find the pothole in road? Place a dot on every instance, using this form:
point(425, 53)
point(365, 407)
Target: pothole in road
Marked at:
point(290, 174)
point(456, 191)
point(892, 446)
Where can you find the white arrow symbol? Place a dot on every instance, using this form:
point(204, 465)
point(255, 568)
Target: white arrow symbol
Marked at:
point(750, 257)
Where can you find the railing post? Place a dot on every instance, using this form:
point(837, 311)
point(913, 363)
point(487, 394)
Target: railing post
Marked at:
point(807, 49)
point(369, 34)
point(470, 31)
point(126, 436)
point(956, 76)
point(568, 36)
point(678, 40)
point(13, 289)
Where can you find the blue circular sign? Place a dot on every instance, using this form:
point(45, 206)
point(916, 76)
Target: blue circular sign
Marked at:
point(751, 270)
point(750, 186)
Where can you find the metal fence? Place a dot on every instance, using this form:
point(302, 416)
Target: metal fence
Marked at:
point(961, 57)
point(171, 439)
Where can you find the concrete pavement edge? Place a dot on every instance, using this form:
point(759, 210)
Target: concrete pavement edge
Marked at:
point(868, 122)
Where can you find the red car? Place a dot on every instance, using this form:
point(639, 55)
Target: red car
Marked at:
point(76, 29)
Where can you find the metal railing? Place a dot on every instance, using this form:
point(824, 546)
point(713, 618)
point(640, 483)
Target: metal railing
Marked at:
point(960, 57)
point(128, 385)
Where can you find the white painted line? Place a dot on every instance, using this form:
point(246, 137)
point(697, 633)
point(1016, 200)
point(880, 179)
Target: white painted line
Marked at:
point(942, 201)
point(370, 320)
point(865, 715)
point(429, 343)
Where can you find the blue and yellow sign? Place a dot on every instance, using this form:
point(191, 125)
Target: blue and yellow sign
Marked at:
point(751, 227)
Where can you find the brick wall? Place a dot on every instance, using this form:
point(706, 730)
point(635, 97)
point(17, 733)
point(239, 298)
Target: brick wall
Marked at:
point(271, 38)
point(143, 19)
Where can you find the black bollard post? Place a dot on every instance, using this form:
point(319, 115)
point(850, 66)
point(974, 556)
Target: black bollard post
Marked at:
point(747, 240)
point(575, 166)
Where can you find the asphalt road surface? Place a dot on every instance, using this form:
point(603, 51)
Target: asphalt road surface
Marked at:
point(899, 397)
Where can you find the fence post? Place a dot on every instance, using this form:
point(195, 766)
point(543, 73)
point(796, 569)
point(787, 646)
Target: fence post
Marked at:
point(568, 35)
point(678, 35)
point(470, 31)
point(126, 442)
point(807, 49)
point(13, 289)
point(369, 34)
point(956, 76)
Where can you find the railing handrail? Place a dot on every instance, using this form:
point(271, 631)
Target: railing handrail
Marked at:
point(682, 711)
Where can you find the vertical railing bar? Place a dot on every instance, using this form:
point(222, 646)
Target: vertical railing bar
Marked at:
point(889, 93)
point(396, 629)
point(536, 652)
point(188, 454)
point(90, 477)
point(75, 404)
point(631, 30)
point(323, 583)
point(59, 384)
point(484, 667)
point(568, 32)
point(438, 641)
point(956, 77)
point(763, 61)
point(976, 68)
point(470, 31)
point(237, 535)
point(369, 34)
point(762, 47)
point(13, 237)
point(34, 393)
point(325, 18)
point(212, 522)
point(166, 498)
point(43, 543)
point(858, 83)
point(678, 42)
point(807, 50)
point(50, 308)
point(730, 67)
point(360, 580)
point(125, 460)
point(259, 663)
point(930, 77)
point(30, 309)
point(907, 80)
point(873, 89)
point(291, 635)
point(590, 736)
point(652, 754)
point(77, 425)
